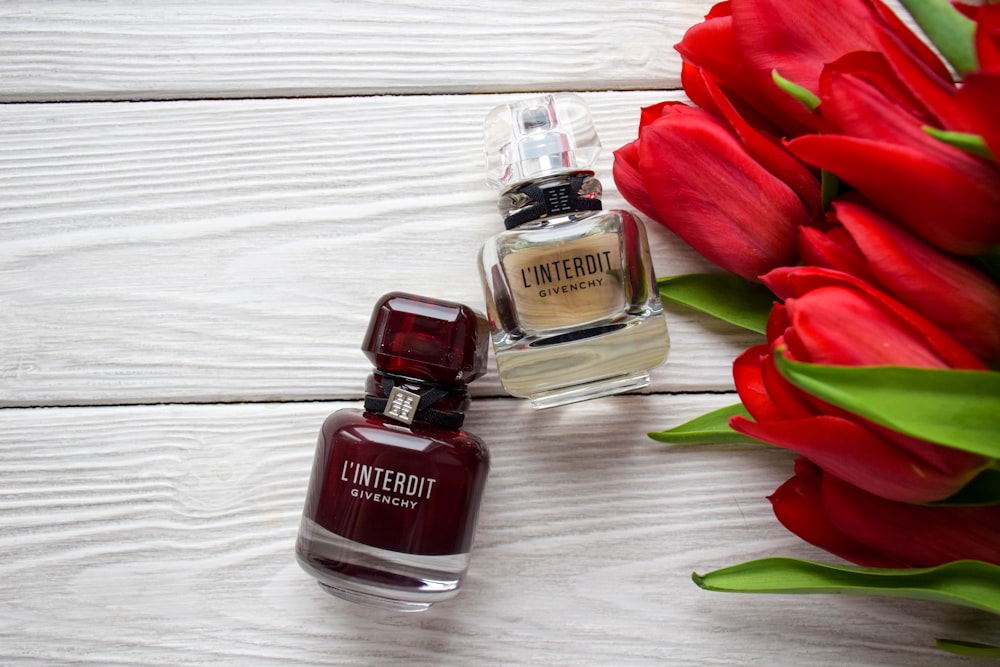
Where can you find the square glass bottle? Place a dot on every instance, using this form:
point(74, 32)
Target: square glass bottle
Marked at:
point(570, 289)
point(395, 489)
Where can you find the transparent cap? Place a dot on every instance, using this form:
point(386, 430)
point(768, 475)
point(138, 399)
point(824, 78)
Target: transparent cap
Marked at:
point(540, 136)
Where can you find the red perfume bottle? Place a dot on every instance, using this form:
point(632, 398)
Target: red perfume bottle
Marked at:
point(394, 496)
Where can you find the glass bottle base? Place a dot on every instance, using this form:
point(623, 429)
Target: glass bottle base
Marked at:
point(358, 597)
point(602, 364)
point(587, 391)
point(377, 577)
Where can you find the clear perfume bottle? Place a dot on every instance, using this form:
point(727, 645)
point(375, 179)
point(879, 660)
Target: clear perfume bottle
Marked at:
point(395, 490)
point(570, 290)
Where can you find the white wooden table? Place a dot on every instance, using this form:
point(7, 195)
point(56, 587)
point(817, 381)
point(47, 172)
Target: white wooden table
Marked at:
point(199, 202)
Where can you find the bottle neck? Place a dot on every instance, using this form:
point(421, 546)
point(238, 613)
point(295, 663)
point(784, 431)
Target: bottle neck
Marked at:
point(414, 401)
point(550, 196)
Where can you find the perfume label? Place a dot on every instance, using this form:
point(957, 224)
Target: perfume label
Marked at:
point(562, 284)
point(394, 487)
point(385, 486)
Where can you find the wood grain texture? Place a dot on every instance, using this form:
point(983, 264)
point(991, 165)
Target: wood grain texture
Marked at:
point(163, 535)
point(183, 49)
point(217, 245)
point(231, 250)
point(62, 50)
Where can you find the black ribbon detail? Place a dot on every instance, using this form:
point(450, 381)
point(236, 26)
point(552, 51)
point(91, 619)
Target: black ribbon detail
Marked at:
point(555, 199)
point(424, 410)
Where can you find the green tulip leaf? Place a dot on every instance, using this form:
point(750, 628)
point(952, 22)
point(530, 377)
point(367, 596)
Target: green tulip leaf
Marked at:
point(983, 489)
point(723, 295)
point(949, 30)
point(969, 583)
point(970, 143)
point(800, 93)
point(829, 188)
point(971, 649)
point(955, 408)
point(989, 262)
point(709, 429)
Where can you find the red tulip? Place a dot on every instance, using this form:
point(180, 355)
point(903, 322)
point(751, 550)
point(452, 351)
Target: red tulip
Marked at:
point(829, 317)
point(988, 37)
point(980, 100)
point(711, 50)
point(690, 172)
point(979, 95)
point(943, 194)
point(769, 152)
point(872, 531)
point(949, 292)
point(742, 42)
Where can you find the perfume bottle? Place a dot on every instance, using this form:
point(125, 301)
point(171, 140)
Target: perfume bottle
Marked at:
point(395, 490)
point(570, 291)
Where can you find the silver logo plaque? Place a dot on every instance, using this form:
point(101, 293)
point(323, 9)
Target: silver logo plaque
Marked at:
point(402, 405)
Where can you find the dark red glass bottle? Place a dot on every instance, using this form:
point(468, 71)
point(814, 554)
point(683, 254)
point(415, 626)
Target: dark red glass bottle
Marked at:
point(395, 490)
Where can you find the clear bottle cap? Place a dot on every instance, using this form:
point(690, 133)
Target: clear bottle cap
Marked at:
point(537, 137)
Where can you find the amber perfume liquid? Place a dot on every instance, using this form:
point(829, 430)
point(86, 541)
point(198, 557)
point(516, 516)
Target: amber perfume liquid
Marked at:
point(572, 298)
point(391, 511)
point(573, 307)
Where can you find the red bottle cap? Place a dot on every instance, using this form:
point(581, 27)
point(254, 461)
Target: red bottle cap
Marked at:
point(427, 339)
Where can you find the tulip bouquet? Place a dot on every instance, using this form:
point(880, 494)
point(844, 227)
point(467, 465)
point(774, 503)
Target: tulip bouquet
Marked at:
point(847, 180)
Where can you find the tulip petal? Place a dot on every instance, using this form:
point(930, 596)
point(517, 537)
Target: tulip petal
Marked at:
point(799, 43)
point(741, 43)
point(713, 194)
point(876, 335)
point(747, 372)
point(768, 396)
point(768, 152)
point(907, 83)
point(693, 82)
point(798, 505)
point(712, 47)
point(834, 249)
point(923, 88)
point(629, 181)
point(789, 282)
point(961, 300)
point(987, 17)
point(949, 460)
point(917, 535)
point(854, 453)
point(856, 107)
point(790, 402)
point(777, 323)
point(773, 37)
point(979, 98)
point(956, 209)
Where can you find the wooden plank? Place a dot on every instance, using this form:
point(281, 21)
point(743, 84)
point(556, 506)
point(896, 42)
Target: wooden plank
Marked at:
point(231, 250)
point(179, 49)
point(164, 535)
